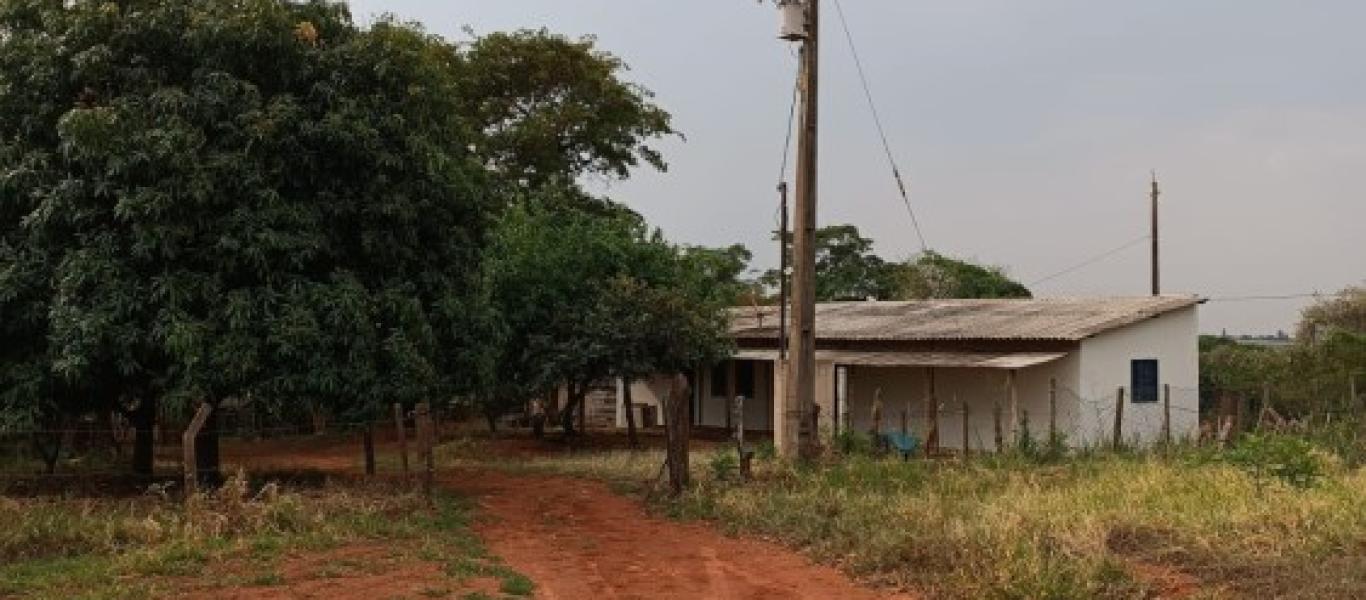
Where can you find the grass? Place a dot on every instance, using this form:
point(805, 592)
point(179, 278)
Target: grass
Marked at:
point(1090, 526)
point(236, 537)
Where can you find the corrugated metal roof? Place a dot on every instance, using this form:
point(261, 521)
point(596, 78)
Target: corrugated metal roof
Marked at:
point(981, 360)
point(1065, 319)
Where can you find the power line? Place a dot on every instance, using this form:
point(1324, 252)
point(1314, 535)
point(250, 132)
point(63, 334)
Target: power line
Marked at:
point(881, 131)
point(791, 118)
point(1260, 298)
point(1093, 260)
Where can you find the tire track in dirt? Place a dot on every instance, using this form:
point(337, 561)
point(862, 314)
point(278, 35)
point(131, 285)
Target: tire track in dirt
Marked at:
point(577, 539)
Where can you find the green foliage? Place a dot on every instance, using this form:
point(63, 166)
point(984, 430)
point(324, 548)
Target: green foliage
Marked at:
point(1345, 312)
point(551, 108)
point(847, 268)
point(849, 442)
point(933, 276)
point(1288, 458)
point(212, 200)
point(581, 297)
point(724, 464)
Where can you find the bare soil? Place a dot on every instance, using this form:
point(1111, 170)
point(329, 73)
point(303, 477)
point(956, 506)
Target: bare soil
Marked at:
point(574, 538)
point(577, 539)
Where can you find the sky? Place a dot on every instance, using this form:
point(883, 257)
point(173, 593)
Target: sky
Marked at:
point(1027, 132)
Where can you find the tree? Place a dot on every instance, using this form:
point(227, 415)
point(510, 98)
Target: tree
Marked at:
point(935, 276)
point(1345, 311)
point(846, 267)
point(576, 296)
point(230, 199)
point(725, 269)
point(550, 109)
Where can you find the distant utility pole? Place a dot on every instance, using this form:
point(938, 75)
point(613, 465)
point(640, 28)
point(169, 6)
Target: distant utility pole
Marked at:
point(801, 23)
point(1157, 263)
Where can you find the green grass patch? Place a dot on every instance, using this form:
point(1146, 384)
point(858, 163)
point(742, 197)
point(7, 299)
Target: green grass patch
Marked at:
point(1021, 527)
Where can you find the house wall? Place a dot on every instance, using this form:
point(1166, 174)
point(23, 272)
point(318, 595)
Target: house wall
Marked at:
point(1172, 339)
point(904, 390)
point(712, 409)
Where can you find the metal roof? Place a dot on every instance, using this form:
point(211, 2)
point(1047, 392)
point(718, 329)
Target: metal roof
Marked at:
point(1063, 319)
point(981, 360)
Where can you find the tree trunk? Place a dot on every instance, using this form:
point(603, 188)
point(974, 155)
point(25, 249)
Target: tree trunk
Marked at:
point(630, 413)
point(567, 415)
point(49, 447)
point(552, 405)
point(207, 461)
point(678, 429)
point(492, 419)
point(144, 419)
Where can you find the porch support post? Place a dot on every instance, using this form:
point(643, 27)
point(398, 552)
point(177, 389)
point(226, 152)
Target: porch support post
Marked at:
point(730, 392)
point(1014, 407)
point(931, 413)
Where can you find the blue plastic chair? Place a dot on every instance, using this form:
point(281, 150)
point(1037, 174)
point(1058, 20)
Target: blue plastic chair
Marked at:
point(903, 443)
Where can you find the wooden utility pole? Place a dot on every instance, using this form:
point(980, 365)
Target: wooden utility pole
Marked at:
point(783, 288)
point(1157, 263)
point(801, 382)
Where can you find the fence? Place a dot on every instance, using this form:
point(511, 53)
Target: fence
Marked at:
point(100, 454)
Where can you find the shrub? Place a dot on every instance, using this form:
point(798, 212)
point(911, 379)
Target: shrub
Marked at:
point(1288, 458)
point(724, 464)
point(854, 443)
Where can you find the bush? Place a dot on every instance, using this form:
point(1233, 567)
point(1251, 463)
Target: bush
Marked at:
point(724, 464)
point(854, 443)
point(1288, 458)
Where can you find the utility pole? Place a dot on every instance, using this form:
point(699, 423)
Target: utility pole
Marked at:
point(783, 240)
point(1157, 264)
point(801, 377)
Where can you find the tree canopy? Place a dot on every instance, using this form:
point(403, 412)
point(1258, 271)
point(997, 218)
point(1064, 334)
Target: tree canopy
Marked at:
point(201, 201)
point(848, 268)
point(580, 297)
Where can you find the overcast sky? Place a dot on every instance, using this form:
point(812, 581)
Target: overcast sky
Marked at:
point(1026, 129)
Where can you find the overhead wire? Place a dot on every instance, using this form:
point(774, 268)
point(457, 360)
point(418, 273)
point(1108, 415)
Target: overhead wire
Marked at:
point(1093, 260)
point(1260, 298)
point(882, 132)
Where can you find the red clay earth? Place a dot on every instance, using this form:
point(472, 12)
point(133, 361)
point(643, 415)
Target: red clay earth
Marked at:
point(576, 540)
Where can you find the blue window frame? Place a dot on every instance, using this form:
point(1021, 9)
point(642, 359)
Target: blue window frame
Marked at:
point(1143, 380)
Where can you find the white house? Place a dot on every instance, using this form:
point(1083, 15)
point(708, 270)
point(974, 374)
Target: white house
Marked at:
point(946, 367)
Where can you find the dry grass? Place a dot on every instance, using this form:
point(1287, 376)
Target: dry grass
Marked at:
point(152, 546)
point(1091, 527)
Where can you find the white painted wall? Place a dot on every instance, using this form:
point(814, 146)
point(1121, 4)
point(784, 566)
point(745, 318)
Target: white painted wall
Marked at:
point(1172, 339)
point(903, 389)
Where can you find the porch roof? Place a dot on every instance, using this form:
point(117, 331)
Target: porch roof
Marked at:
point(978, 360)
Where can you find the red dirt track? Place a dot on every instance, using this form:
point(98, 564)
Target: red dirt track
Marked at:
point(576, 539)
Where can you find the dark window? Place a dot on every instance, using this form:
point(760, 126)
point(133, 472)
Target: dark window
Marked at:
point(1143, 380)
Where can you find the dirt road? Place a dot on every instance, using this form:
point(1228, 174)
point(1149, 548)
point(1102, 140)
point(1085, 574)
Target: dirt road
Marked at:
point(576, 539)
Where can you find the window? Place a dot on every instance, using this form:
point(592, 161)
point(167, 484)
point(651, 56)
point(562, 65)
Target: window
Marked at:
point(1143, 380)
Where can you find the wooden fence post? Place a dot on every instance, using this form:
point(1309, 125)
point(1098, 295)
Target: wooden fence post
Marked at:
point(187, 440)
point(1052, 410)
point(967, 440)
point(1167, 414)
point(402, 433)
point(996, 424)
point(369, 442)
point(1119, 418)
